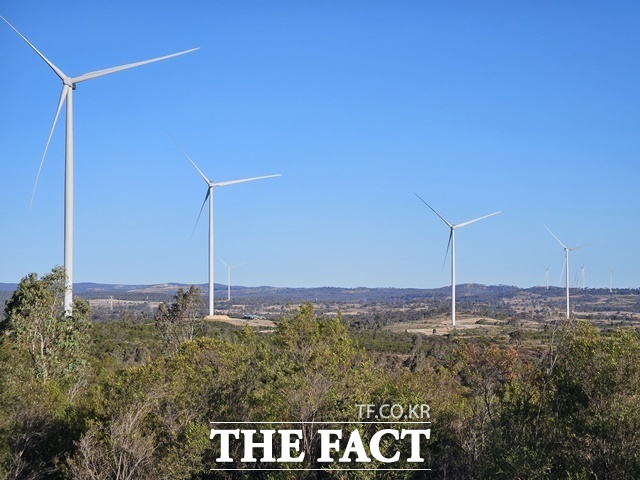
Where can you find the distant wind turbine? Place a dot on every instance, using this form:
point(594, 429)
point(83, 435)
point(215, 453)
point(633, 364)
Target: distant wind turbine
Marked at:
point(546, 277)
point(566, 263)
point(68, 86)
point(210, 186)
point(229, 268)
point(452, 242)
point(610, 278)
point(582, 277)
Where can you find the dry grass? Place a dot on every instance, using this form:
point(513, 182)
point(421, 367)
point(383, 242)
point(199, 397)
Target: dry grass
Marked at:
point(441, 325)
point(106, 303)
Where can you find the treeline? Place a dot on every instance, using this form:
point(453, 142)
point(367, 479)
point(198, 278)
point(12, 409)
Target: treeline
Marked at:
point(118, 400)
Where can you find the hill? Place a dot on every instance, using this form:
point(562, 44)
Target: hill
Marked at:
point(369, 306)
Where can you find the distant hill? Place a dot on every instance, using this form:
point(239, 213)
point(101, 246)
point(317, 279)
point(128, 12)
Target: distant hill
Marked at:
point(340, 294)
point(470, 293)
point(8, 287)
point(364, 305)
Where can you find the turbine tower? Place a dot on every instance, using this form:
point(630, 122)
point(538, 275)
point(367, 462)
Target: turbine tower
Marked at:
point(68, 86)
point(209, 196)
point(566, 263)
point(229, 268)
point(582, 277)
point(452, 242)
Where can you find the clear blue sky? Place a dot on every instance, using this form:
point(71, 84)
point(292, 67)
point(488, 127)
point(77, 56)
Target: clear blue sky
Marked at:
point(532, 109)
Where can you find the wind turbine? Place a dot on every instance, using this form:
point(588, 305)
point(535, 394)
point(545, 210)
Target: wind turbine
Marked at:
point(68, 86)
point(452, 242)
point(210, 186)
point(229, 268)
point(582, 277)
point(566, 263)
point(610, 278)
point(546, 277)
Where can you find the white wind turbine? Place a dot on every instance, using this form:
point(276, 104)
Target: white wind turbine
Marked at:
point(229, 268)
point(546, 276)
point(211, 185)
point(68, 86)
point(452, 242)
point(566, 263)
point(610, 278)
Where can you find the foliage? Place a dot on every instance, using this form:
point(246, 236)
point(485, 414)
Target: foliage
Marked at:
point(178, 322)
point(503, 407)
point(597, 387)
point(36, 320)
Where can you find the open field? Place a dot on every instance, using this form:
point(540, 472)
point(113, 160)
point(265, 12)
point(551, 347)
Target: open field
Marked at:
point(102, 303)
point(239, 322)
point(441, 325)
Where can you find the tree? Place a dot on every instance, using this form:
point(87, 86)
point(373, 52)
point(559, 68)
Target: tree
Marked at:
point(597, 386)
point(178, 322)
point(119, 452)
point(35, 318)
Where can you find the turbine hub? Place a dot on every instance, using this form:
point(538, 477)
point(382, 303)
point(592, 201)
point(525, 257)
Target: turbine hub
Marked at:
point(67, 81)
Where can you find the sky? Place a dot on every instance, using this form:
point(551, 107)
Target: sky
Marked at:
point(531, 109)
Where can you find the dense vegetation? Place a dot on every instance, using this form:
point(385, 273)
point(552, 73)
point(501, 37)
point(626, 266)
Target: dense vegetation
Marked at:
point(118, 400)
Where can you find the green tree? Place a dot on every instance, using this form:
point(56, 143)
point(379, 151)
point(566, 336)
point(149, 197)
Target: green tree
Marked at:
point(180, 320)
point(152, 421)
point(35, 318)
point(42, 370)
point(597, 387)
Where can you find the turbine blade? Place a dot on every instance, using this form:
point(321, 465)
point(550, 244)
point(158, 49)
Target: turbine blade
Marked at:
point(232, 182)
point(63, 97)
point(107, 71)
point(192, 162)
point(447, 252)
point(476, 220)
point(57, 71)
point(450, 226)
point(230, 267)
point(580, 246)
point(563, 245)
point(206, 197)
